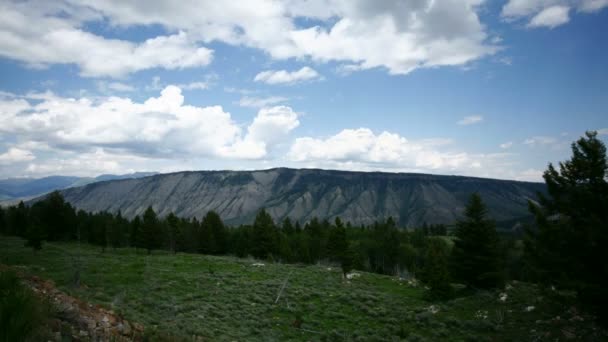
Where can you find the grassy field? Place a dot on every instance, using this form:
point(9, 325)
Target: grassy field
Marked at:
point(231, 299)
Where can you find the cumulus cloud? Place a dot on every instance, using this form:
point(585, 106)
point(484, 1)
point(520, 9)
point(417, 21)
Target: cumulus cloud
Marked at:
point(396, 35)
point(160, 127)
point(287, 77)
point(269, 127)
point(470, 120)
point(548, 13)
point(363, 150)
point(42, 35)
point(386, 149)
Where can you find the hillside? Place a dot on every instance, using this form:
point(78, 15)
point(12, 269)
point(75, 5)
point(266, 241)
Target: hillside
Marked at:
point(189, 297)
point(300, 194)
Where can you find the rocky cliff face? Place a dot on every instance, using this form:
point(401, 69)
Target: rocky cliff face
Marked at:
point(358, 197)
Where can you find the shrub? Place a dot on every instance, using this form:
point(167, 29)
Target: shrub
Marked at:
point(22, 316)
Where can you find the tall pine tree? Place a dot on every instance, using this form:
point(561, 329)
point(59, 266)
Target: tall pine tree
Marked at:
point(476, 258)
point(264, 236)
point(568, 246)
point(152, 234)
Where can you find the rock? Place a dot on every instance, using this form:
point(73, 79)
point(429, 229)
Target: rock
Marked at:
point(126, 328)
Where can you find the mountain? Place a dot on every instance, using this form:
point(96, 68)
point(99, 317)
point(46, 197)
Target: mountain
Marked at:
point(20, 188)
point(358, 197)
point(24, 187)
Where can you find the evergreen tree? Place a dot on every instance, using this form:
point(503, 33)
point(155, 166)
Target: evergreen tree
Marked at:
point(475, 257)
point(17, 220)
point(337, 244)
point(3, 229)
point(135, 233)
point(35, 234)
point(172, 231)
point(287, 227)
point(347, 261)
point(216, 233)
point(118, 226)
point(568, 246)
point(151, 231)
point(57, 216)
point(435, 273)
point(264, 237)
point(314, 232)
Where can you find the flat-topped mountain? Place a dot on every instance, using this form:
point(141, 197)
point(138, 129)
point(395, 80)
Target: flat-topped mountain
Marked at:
point(301, 194)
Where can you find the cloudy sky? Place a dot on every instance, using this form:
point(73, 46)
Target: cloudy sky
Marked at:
point(469, 87)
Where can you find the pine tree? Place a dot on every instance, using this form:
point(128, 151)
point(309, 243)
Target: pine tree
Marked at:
point(151, 231)
point(475, 259)
point(215, 233)
point(287, 227)
point(135, 233)
point(35, 234)
point(435, 273)
point(172, 231)
point(347, 261)
point(3, 228)
point(264, 236)
point(567, 248)
point(337, 244)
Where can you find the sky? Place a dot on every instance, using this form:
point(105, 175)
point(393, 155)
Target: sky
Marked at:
point(466, 87)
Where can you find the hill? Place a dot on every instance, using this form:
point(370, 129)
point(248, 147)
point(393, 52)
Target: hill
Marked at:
point(300, 194)
point(188, 297)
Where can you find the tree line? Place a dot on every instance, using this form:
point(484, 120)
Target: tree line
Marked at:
point(566, 247)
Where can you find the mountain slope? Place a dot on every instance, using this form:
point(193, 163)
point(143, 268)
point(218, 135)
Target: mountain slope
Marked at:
point(20, 188)
point(358, 197)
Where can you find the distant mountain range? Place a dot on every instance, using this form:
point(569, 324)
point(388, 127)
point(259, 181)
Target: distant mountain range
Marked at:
point(301, 194)
point(22, 188)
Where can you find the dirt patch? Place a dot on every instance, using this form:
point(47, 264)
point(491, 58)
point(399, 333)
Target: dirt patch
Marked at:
point(84, 321)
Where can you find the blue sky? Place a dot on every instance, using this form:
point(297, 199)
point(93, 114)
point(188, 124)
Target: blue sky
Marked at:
point(482, 88)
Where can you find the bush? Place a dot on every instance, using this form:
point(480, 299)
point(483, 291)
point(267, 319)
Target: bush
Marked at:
point(22, 316)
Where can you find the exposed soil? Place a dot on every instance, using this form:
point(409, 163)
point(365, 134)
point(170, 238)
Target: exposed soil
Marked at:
point(81, 320)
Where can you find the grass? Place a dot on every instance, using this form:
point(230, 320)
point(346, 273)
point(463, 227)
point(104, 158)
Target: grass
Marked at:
point(228, 299)
point(23, 316)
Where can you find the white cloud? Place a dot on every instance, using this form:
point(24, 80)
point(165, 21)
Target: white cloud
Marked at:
point(396, 35)
point(362, 145)
point(287, 77)
point(548, 13)
point(362, 149)
point(470, 120)
point(160, 127)
point(602, 131)
point(259, 102)
point(551, 17)
point(15, 155)
point(42, 35)
point(506, 145)
point(105, 87)
point(540, 140)
point(269, 127)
